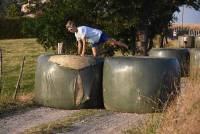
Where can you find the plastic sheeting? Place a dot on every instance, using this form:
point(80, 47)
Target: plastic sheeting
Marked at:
point(195, 63)
point(139, 84)
point(77, 83)
point(182, 54)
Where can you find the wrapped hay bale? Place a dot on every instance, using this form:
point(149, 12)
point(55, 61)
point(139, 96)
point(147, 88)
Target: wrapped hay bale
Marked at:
point(186, 41)
point(197, 42)
point(182, 55)
point(139, 84)
point(195, 63)
point(69, 82)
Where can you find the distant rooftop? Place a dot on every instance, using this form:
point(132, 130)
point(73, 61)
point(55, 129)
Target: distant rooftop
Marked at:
point(189, 26)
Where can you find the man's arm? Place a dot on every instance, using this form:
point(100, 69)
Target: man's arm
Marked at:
point(84, 46)
point(79, 47)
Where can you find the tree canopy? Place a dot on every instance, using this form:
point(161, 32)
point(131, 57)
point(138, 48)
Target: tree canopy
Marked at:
point(119, 18)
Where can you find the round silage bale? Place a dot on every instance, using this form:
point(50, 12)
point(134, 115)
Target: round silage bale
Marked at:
point(189, 39)
point(197, 42)
point(182, 55)
point(195, 63)
point(139, 84)
point(69, 82)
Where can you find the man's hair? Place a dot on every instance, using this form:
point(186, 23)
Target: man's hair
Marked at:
point(69, 24)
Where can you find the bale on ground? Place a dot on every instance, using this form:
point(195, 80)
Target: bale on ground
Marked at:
point(182, 54)
point(195, 63)
point(190, 41)
point(139, 84)
point(69, 82)
point(197, 42)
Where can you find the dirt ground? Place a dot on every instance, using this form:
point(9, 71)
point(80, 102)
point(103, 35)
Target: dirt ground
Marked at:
point(111, 123)
point(106, 122)
point(31, 117)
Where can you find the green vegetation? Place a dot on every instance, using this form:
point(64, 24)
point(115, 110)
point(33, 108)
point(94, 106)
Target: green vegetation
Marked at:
point(120, 19)
point(13, 52)
point(16, 27)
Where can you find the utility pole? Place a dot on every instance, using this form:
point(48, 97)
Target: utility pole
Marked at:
point(182, 16)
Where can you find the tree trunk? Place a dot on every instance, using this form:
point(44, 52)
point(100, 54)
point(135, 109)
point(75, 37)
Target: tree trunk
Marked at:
point(162, 41)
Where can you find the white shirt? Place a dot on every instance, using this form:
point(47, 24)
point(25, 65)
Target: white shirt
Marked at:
point(92, 35)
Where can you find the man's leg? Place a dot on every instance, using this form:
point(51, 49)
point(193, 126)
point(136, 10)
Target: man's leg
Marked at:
point(94, 51)
point(118, 43)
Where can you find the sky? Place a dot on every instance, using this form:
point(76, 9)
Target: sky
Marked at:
point(190, 15)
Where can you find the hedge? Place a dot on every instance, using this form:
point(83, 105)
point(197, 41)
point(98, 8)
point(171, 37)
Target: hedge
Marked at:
point(16, 27)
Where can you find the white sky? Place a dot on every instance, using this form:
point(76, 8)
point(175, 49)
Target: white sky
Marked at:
point(190, 15)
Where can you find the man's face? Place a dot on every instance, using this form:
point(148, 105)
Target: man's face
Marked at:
point(72, 29)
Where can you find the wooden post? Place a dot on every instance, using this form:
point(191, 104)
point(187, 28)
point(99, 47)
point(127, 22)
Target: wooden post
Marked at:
point(1, 70)
point(19, 79)
point(60, 48)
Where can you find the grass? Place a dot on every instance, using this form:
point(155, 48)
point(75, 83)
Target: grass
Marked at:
point(13, 52)
point(182, 116)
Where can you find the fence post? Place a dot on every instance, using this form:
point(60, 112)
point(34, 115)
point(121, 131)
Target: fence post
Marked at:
point(60, 48)
point(1, 70)
point(19, 79)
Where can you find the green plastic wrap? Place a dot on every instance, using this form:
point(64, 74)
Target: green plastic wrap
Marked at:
point(182, 54)
point(195, 63)
point(69, 82)
point(139, 84)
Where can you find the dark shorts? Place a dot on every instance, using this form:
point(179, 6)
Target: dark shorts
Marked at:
point(103, 38)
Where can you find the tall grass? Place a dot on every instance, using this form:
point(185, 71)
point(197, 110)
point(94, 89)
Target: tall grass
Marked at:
point(183, 116)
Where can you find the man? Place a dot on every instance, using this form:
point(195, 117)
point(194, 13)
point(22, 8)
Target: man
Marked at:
point(94, 37)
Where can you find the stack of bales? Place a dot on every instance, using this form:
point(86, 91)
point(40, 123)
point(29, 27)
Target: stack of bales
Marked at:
point(195, 63)
point(130, 84)
point(197, 42)
point(186, 41)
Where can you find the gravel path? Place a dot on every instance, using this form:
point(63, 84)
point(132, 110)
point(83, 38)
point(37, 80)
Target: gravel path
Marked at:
point(113, 123)
point(102, 122)
point(32, 117)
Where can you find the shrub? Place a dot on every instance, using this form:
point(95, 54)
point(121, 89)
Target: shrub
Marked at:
point(15, 27)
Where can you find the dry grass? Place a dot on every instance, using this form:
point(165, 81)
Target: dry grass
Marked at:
point(184, 115)
point(72, 61)
point(8, 105)
point(181, 117)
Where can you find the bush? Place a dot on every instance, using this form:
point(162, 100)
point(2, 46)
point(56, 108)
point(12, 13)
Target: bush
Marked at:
point(15, 27)
point(13, 10)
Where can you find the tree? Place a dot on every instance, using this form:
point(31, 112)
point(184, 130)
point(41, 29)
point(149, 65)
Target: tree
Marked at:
point(119, 18)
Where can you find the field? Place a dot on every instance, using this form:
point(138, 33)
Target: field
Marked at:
point(180, 117)
point(13, 52)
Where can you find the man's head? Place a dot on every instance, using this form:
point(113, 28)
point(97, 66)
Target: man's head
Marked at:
point(71, 27)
